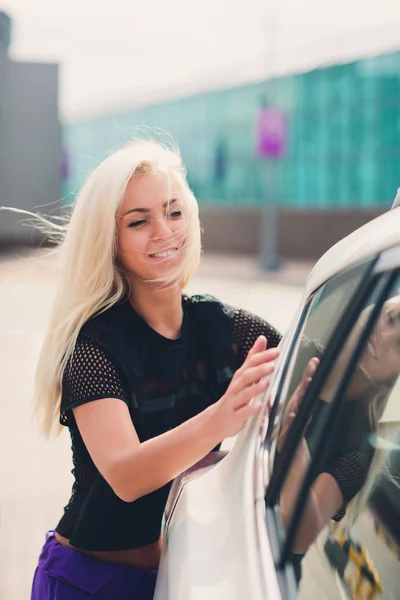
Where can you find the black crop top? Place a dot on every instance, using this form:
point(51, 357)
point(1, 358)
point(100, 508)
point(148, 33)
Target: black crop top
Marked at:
point(348, 450)
point(163, 382)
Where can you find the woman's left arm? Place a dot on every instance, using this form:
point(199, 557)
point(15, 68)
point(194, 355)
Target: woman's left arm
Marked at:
point(324, 500)
point(342, 479)
point(325, 497)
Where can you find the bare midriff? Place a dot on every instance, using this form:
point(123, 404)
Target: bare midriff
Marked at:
point(146, 557)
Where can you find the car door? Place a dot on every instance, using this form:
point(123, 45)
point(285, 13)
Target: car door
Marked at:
point(219, 539)
point(331, 457)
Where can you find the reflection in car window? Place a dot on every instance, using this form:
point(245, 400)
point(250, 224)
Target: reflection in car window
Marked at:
point(343, 526)
point(323, 315)
point(361, 551)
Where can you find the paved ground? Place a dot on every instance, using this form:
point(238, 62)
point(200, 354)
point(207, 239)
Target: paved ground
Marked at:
point(35, 476)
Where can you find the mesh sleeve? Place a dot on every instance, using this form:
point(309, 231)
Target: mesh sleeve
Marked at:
point(89, 375)
point(350, 472)
point(246, 327)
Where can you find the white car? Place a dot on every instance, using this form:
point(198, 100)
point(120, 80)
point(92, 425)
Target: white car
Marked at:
point(234, 524)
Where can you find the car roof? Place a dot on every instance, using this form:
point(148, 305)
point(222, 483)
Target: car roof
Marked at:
point(370, 239)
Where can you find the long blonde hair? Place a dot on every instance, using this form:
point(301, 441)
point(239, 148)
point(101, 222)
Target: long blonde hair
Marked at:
point(91, 281)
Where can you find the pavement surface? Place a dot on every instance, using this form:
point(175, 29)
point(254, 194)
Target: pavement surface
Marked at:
point(35, 478)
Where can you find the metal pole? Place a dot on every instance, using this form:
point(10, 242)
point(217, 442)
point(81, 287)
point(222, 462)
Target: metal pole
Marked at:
point(269, 259)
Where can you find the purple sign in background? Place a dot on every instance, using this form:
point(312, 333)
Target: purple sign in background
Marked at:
point(271, 133)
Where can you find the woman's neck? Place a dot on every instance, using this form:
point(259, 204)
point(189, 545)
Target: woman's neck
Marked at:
point(358, 386)
point(160, 308)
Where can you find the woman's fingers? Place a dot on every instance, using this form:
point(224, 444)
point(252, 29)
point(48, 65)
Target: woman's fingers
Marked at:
point(259, 345)
point(252, 379)
point(248, 410)
point(295, 401)
point(266, 356)
point(289, 418)
point(311, 367)
point(252, 375)
point(248, 393)
point(285, 430)
point(301, 389)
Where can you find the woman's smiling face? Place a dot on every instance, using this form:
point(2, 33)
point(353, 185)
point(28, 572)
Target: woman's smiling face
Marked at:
point(381, 359)
point(150, 227)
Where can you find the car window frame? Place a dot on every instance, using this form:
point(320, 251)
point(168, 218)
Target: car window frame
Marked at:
point(337, 339)
point(285, 571)
point(283, 374)
point(385, 281)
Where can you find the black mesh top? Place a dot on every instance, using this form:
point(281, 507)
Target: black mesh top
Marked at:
point(163, 382)
point(349, 452)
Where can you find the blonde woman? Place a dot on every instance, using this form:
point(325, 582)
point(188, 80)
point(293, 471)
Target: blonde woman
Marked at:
point(147, 379)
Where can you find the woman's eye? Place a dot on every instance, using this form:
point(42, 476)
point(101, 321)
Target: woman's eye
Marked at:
point(391, 320)
point(135, 224)
point(175, 214)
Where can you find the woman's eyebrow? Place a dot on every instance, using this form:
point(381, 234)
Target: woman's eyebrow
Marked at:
point(139, 210)
point(146, 210)
point(169, 202)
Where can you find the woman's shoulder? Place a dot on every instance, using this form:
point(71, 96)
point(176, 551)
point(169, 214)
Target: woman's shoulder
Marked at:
point(103, 323)
point(205, 304)
point(245, 326)
point(208, 299)
point(211, 305)
point(194, 299)
point(234, 312)
point(108, 335)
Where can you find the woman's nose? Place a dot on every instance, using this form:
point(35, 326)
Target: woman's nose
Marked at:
point(389, 341)
point(160, 228)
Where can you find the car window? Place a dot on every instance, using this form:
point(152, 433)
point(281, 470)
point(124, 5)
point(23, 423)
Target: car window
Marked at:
point(323, 314)
point(320, 320)
point(357, 552)
point(345, 463)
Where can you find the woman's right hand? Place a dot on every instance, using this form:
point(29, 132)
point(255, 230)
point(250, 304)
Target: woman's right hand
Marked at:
point(232, 411)
point(295, 401)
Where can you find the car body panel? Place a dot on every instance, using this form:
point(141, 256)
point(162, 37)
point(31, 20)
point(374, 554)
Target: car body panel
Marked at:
point(371, 239)
point(209, 552)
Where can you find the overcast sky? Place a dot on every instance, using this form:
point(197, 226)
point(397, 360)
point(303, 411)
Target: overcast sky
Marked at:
point(124, 52)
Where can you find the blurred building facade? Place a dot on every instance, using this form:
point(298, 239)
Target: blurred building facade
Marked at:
point(340, 167)
point(30, 139)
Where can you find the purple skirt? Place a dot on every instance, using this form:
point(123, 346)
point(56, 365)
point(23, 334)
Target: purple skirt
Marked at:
point(65, 574)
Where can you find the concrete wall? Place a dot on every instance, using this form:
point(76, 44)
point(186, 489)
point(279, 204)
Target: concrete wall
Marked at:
point(30, 143)
point(303, 234)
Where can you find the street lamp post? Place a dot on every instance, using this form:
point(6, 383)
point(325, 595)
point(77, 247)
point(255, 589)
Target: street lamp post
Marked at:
point(271, 144)
point(269, 259)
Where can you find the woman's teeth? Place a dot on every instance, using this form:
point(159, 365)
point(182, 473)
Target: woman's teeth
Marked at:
point(165, 254)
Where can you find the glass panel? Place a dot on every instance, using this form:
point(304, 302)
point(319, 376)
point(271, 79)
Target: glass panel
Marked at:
point(348, 543)
point(325, 311)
